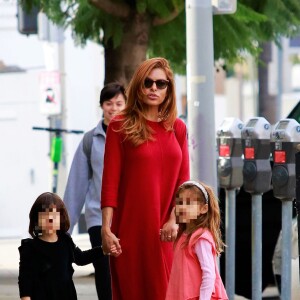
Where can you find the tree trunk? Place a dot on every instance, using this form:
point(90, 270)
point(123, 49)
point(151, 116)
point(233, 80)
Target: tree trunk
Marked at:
point(266, 103)
point(121, 62)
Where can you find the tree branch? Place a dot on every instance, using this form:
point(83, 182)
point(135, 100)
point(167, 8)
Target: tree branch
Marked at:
point(161, 21)
point(120, 10)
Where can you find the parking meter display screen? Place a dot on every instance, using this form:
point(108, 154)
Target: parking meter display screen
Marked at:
point(282, 125)
point(252, 123)
point(224, 150)
point(279, 157)
point(249, 153)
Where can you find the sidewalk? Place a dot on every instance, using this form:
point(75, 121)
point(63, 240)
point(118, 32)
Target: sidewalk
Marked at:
point(84, 281)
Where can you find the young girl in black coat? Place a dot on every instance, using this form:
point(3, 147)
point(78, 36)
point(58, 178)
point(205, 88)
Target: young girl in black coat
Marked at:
point(46, 270)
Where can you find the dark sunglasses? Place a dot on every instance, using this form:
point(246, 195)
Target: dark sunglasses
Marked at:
point(160, 83)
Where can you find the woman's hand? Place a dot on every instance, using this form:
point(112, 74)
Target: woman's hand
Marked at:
point(168, 233)
point(110, 243)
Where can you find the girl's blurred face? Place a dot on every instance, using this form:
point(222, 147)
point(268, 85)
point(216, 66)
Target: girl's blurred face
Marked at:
point(112, 107)
point(188, 206)
point(49, 220)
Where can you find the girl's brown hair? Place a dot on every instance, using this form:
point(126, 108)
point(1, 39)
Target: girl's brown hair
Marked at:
point(44, 203)
point(134, 123)
point(210, 220)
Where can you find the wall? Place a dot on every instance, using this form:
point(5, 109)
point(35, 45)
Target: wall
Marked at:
point(24, 153)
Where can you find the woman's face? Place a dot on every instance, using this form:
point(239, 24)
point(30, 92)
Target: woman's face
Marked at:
point(112, 107)
point(155, 88)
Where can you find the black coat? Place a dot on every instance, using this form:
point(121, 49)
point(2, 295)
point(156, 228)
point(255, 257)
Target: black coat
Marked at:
point(45, 271)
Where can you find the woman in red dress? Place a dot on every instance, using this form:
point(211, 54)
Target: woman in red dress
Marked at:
point(146, 159)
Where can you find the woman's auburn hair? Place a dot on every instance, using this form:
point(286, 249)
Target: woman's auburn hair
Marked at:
point(134, 124)
point(43, 203)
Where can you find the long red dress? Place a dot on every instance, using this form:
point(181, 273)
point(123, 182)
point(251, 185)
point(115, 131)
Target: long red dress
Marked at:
point(140, 183)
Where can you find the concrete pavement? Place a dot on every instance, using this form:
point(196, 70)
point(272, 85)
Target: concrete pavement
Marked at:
point(84, 281)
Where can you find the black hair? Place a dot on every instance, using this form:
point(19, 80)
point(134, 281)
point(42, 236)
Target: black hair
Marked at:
point(43, 203)
point(111, 90)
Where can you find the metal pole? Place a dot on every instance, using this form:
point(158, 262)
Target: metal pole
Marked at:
point(256, 247)
point(230, 223)
point(200, 91)
point(279, 80)
point(54, 37)
point(54, 177)
point(286, 249)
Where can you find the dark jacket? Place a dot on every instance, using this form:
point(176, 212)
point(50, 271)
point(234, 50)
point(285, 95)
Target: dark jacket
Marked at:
point(45, 271)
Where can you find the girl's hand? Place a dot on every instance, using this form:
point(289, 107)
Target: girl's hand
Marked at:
point(109, 242)
point(168, 233)
point(114, 251)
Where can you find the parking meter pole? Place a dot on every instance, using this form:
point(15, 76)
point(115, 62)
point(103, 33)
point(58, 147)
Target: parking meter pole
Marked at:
point(230, 242)
point(257, 180)
point(286, 248)
point(256, 246)
point(297, 202)
point(230, 175)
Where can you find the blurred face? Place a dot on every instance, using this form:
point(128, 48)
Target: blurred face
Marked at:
point(112, 107)
point(155, 88)
point(188, 207)
point(49, 221)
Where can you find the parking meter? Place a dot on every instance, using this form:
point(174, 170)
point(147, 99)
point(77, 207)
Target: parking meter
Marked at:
point(256, 146)
point(284, 140)
point(257, 180)
point(230, 166)
point(230, 162)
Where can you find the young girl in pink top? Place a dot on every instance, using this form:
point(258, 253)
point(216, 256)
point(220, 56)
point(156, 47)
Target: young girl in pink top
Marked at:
point(195, 273)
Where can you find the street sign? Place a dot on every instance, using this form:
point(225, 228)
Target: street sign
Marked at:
point(221, 7)
point(50, 93)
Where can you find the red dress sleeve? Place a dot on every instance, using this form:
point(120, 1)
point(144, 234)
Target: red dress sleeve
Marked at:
point(112, 165)
point(181, 135)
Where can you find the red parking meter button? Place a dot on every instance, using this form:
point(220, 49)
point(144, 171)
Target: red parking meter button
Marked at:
point(279, 157)
point(249, 153)
point(224, 150)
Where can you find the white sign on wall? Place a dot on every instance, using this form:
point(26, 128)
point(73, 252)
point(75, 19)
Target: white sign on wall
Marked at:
point(50, 93)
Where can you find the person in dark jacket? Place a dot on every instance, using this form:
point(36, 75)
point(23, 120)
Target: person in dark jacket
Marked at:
point(45, 270)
